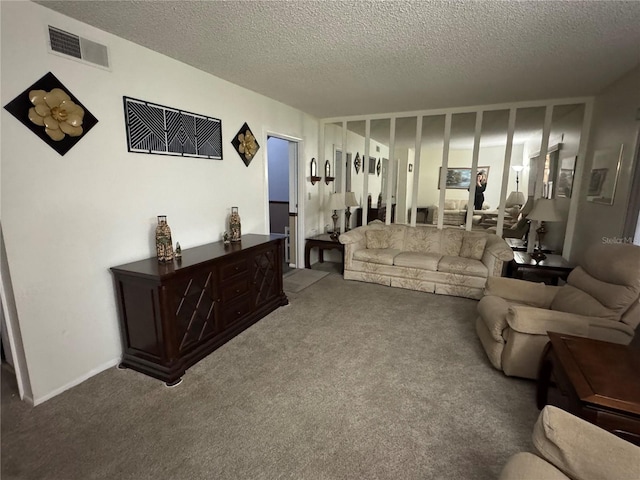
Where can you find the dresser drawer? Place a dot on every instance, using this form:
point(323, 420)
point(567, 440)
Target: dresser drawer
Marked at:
point(235, 289)
point(229, 270)
point(236, 310)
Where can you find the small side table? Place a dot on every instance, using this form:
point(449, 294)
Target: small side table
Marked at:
point(599, 380)
point(322, 242)
point(553, 267)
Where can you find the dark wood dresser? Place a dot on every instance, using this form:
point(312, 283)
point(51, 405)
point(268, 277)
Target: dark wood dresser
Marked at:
point(173, 315)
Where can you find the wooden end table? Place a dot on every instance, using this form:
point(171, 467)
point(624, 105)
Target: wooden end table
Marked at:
point(600, 382)
point(322, 242)
point(553, 267)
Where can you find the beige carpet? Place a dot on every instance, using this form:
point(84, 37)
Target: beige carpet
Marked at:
point(349, 381)
point(297, 280)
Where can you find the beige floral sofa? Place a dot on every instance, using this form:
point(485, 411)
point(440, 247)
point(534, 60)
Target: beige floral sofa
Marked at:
point(448, 261)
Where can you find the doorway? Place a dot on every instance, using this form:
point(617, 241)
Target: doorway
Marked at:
point(282, 174)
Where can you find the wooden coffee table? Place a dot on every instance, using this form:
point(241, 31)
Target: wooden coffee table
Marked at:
point(552, 268)
point(599, 381)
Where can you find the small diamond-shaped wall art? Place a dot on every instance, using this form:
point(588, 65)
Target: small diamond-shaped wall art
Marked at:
point(245, 144)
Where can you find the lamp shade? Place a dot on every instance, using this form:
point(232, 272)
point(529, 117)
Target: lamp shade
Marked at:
point(350, 200)
point(336, 201)
point(517, 168)
point(544, 209)
point(515, 198)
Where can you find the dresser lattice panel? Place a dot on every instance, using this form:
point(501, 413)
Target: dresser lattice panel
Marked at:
point(194, 300)
point(265, 276)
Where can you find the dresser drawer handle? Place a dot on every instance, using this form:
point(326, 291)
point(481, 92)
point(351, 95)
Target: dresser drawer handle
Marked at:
point(237, 290)
point(237, 268)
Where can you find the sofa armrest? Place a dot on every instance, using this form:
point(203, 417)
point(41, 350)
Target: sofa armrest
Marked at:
point(353, 240)
point(521, 291)
point(497, 247)
point(352, 236)
point(583, 450)
point(496, 252)
point(538, 321)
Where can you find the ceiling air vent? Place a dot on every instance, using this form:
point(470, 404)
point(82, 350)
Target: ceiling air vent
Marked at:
point(79, 48)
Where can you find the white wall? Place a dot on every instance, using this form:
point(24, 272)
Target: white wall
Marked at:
point(66, 220)
point(614, 123)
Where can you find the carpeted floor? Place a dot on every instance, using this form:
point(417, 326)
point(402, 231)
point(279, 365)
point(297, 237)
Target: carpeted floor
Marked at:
point(297, 280)
point(349, 381)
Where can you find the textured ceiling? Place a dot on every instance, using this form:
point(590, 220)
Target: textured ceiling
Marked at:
point(348, 58)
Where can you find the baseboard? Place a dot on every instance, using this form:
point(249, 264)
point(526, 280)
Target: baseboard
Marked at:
point(77, 381)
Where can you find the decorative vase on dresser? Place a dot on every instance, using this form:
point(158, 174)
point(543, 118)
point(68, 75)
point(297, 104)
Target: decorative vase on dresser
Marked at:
point(172, 315)
point(164, 245)
point(234, 225)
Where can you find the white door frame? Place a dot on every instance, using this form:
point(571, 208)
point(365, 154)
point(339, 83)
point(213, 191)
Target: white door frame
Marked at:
point(299, 180)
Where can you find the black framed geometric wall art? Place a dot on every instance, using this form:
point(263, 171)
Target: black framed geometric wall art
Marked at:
point(53, 113)
point(157, 129)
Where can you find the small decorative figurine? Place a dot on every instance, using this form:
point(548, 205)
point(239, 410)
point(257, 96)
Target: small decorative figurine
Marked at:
point(178, 250)
point(164, 245)
point(225, 238)
point(234, 225)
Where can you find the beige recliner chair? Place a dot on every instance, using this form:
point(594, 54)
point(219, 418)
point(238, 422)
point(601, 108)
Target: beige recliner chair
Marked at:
point(600, 300)
point(571, 448)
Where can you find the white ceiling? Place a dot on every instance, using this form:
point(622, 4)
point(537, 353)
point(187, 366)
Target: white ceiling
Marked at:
point(332, 58)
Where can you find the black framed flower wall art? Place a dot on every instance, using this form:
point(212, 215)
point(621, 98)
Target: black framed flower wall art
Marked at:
point(245, 144)
point(53, 113)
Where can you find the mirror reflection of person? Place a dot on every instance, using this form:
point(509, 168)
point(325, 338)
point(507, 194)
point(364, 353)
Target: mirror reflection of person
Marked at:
point(481, 186)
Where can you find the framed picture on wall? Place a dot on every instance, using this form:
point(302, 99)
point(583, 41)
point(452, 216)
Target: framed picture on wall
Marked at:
point(565, 177)
point(598, 176)
point(460, 178)
point(372, 166)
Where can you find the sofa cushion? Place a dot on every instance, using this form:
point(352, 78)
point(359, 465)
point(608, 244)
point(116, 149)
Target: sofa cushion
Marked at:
point(425, 261)
point(423, 239)
point(382, 256)
point(377, 239)
point(473, 244)
point(451, 241)
point(463, 266)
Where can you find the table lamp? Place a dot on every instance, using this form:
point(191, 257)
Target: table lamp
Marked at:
point(349, 201)
point(544, 210)
point(336, 202)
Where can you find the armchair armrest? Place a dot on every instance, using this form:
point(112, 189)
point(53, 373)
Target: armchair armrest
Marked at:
point(538, 321)
point(521, 291)
point(582, 450)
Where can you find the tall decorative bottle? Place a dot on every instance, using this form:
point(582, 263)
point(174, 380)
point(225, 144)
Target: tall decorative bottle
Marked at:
point(164, 245)
point(234, 225)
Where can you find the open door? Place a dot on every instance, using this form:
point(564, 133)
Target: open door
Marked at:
point(282, 156)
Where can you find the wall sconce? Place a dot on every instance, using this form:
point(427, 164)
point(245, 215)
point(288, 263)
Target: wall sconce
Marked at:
point(327, 173)
point(314, 172)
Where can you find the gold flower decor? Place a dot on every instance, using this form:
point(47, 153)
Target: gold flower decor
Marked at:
point(248, 146)
point(56, 112)
point(245, 144)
